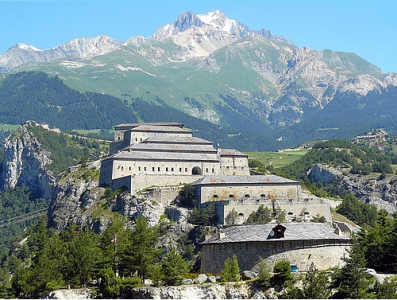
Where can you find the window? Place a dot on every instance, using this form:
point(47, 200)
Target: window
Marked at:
point(166, 169)
point(129, 169)
point(231, 196)
point(180, 169)
point(215, 196)
point(122, 168)
point(158, 169)
point(213, 170)
point(263, 195)
point(172, 169)
point(247, 195)
point(206, 170)
point(153, 169)
point(185, 169)
point(144, 168)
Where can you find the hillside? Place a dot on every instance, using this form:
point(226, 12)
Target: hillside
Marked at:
point(216, 69)
point(36, 96)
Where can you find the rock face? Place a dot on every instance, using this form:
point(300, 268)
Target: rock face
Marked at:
point(203, 291)
point(323, 173)
point(25, 163)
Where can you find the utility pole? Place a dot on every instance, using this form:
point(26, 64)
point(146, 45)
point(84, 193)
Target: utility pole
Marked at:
point(116, 259)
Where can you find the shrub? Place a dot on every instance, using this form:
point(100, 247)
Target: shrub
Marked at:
point(283, 272)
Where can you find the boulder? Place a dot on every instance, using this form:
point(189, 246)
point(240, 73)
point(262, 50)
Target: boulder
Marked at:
point(187, 281)
point(200, 279)
point(211, 279)
point(248, 275)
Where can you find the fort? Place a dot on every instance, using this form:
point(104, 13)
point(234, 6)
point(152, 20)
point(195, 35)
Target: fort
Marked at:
point(157, 159)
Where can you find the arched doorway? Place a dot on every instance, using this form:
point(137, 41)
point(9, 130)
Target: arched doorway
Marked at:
point(196, 171)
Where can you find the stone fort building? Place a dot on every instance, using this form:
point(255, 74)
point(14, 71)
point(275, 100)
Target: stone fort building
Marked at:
point(159, 158)
point(300, 243)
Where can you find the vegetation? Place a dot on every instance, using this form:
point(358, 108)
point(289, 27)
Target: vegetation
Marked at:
point(65, 150)
point(282, 270)
point(231, 270)
point(204, 216)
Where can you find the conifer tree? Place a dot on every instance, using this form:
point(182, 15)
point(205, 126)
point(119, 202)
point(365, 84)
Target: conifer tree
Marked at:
point(231, 270)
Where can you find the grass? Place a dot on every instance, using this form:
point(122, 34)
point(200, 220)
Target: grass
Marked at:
point(277, 159)
point(5, 127)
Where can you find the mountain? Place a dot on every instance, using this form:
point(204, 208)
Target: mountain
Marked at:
point(217, 69)
point(77, 48)
point(217, 20)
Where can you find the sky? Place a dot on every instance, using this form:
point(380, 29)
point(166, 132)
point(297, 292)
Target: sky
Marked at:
point(365, 27)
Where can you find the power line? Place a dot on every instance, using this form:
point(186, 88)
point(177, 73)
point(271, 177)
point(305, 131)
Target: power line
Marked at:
point(23, 218)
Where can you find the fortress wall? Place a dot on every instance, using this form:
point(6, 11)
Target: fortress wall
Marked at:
point(105, 176)
point(234, 165)
point(122, 168)
point(324, 254)
point(295, 210)
point(122, 182)
point(141, 182)
point(245, 192)
point(163, 195)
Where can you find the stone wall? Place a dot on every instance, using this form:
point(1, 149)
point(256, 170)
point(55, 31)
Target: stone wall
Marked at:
point(141, 182)
point(296, 210)
point(163, 195)
point(212, 193)
point(237, 165)
point(324, 254)
point(122, 168)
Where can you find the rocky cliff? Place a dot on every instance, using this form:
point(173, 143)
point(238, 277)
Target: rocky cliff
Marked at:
point(25, 163)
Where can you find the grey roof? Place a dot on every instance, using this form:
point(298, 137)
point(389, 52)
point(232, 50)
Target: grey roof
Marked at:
point(174, 156)
point(132, 125)
point(231, 152)
point(177, 140)
point(171, 148)
point(261, 232)
point(162, 129)
point(233, 179)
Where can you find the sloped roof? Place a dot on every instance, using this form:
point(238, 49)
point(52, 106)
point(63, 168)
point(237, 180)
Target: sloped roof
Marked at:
point(156, 147)
point(235, 179)
point(176, 140)
point(132, 125)
point(164, 156)
point(261, 232)
point(231, 152)
point(162, 129)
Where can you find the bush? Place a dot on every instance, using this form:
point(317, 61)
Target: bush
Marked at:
point(283, 272)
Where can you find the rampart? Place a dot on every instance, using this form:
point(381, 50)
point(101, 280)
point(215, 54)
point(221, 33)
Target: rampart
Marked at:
point(324, 254)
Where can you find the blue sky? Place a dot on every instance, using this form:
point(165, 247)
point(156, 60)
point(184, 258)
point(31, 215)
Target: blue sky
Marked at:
point(365, 27)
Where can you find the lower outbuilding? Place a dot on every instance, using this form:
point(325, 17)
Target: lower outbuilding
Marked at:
point(300, 243)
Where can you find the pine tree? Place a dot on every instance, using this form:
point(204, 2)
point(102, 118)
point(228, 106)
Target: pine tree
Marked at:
point(231, 270)
point(174, 268)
